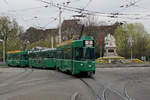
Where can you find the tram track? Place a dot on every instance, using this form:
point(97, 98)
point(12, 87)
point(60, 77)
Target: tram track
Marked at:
point(124, 96)
point(101, 87)
point(95, 94)
point(106, 90)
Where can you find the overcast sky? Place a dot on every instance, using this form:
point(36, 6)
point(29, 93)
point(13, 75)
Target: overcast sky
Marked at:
point(33, 13)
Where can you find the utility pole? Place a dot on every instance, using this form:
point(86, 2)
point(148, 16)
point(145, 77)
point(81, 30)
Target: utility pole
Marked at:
point(131, 41)
point(59, 37)
point(100, 44)
point(131, 53)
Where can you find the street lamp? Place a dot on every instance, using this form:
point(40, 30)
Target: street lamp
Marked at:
point(3, 49)
point(131, 41)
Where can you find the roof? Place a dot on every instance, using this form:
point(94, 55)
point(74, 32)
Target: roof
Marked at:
point(74, 43)
point(65, 43)
point(16, 51)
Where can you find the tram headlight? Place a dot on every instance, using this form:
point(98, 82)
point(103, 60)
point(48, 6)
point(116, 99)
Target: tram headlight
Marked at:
point(91, 42)
point(81, 64)
point(90, 66)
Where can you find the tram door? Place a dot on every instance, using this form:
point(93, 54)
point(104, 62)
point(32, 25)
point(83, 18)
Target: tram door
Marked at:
point(67, 62)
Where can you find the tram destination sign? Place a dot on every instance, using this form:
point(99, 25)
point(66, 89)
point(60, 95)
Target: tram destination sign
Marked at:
point(89, 43)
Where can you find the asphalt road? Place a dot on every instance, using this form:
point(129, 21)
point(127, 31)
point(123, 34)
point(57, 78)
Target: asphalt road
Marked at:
point(125, 83)
point(131, 83)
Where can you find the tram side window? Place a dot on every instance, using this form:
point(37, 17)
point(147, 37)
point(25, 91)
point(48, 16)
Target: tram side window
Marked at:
point(78, 53)
point(32, 56)
point(38, 56)
point(17, 57)
point(54, 54)
point(9, 57)
point(25, 57)
point(43, 55)
point(67, 53)
point(47, 54)
point(12, 57)
point(59, 54)
point(50, 55)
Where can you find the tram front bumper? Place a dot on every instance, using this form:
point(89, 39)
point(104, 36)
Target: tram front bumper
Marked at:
point(84, 66)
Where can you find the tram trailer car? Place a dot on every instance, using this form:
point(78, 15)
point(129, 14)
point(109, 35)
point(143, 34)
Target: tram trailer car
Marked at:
point(17, 58)
point(76, 56)
point(42, 59)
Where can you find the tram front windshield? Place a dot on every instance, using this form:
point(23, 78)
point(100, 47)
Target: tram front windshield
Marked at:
point(84, 54)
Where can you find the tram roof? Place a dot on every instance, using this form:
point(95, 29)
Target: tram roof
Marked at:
point(42, 50)
point(65, 43)
point(16, 51)
point(74, 43)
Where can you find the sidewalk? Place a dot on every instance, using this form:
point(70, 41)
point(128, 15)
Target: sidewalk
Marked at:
point(121, 65)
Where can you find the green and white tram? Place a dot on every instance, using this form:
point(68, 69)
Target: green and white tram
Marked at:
point(42, 58)
point(17, 58)
point(76, 56)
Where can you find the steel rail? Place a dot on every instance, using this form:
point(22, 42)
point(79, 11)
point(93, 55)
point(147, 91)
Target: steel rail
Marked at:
point(97, 96)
